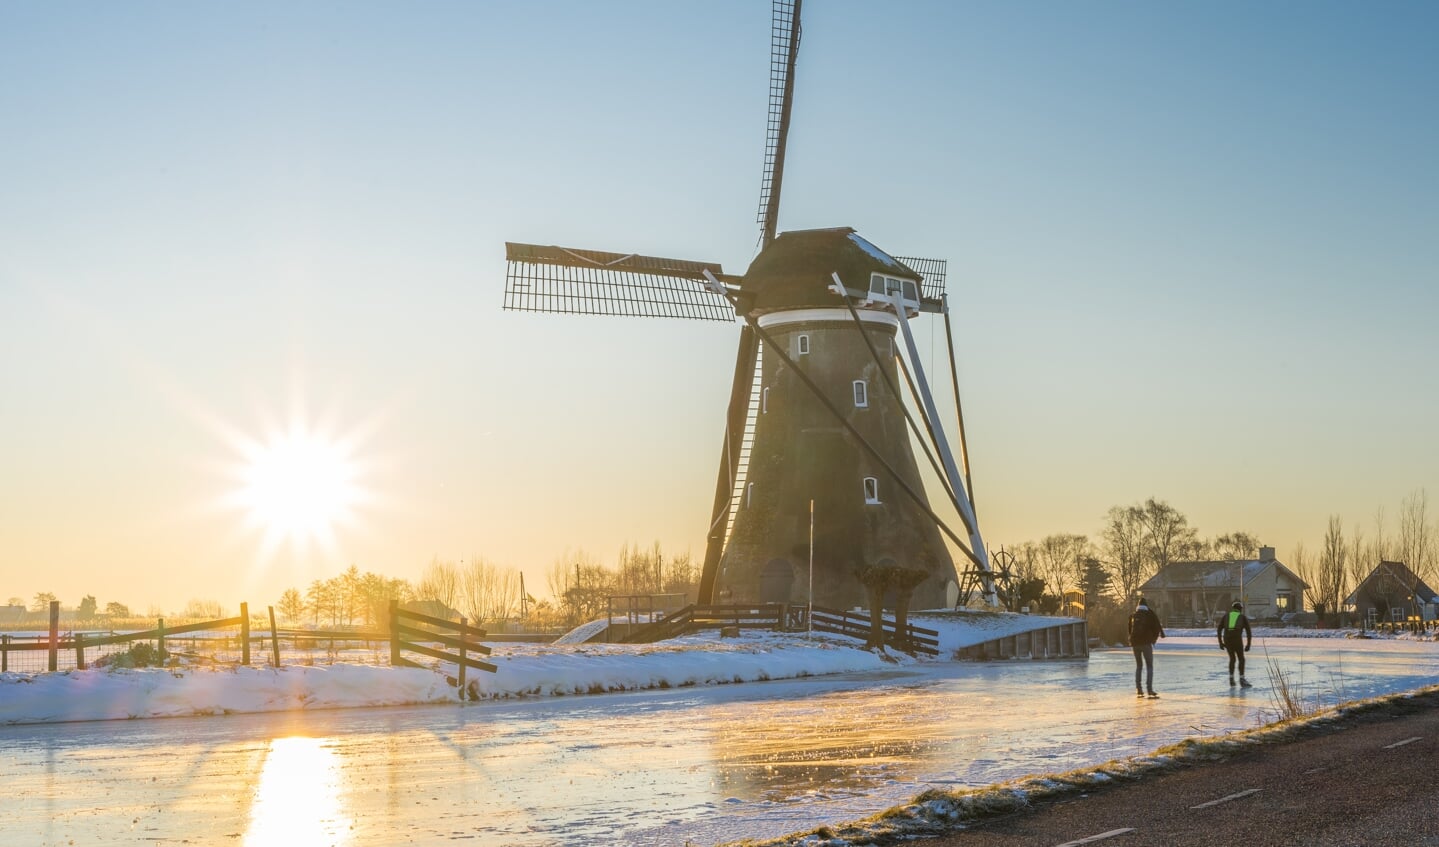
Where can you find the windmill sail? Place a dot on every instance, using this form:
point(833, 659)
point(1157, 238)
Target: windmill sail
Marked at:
point(784, 50)
point(593, 282)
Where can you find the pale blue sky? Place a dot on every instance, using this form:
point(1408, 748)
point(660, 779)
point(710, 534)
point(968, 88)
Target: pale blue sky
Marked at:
point(1193, 253)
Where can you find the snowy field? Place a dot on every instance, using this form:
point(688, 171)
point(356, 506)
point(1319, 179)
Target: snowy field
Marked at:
point(524, 670)
point(836, 734)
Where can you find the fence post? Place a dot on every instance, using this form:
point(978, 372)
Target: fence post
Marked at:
point(394, 633)
point(4, 653)
point(54, 634)
point(462, 658)
point(160, 626)
point(79, 652)
point(245, 634)
point(274, 637)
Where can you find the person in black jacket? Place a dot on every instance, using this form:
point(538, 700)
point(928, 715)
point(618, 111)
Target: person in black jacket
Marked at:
point(1235, 636)
point(1144, 630)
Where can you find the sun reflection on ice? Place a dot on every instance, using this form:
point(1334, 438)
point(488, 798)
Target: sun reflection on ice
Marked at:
point(298, 798)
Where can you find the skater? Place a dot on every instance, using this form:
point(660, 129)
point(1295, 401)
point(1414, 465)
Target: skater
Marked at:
point(1144, 630)
point(1235, 636)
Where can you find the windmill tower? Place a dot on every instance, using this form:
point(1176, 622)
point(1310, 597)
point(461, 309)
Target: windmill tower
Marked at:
point(817, 410)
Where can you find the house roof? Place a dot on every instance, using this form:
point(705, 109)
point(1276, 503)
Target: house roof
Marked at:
point(1212, 575)
point(1397, 572)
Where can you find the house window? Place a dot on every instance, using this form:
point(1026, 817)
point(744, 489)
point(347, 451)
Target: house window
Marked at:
point(871, 490)
point(801, 345)
point(861, 394)
point(764, 402)
point(748, 495)
point(1283, 603)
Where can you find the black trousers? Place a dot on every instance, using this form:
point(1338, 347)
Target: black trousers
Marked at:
point(1236, 651)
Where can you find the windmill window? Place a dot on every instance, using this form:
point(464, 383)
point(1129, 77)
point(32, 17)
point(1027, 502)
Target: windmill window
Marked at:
point(871, 490)
point(881, 287)
point(801, 345)
point(861, 394)
point(764, 402)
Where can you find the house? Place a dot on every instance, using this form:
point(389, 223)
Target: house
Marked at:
point(433, 608)
point(1392, 592)
point(1195, 593)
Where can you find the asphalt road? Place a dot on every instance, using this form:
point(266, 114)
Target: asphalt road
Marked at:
point(1367, 783)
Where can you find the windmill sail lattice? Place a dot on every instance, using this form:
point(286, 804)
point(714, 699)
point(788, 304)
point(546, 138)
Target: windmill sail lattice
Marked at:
point(594, 282)
point(784, 52)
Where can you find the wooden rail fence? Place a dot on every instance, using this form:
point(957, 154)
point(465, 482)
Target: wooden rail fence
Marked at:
point(408, 632)
point(783, 617)
point(408, 628)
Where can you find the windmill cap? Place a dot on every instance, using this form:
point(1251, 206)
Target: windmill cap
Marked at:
point(794, 271)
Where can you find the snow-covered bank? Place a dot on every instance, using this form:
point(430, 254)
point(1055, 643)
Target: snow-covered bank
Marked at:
point(524, 670)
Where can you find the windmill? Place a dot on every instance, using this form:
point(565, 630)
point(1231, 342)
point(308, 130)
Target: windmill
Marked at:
point(817, 474)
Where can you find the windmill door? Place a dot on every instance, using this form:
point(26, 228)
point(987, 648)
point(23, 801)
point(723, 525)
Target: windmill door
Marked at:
point(776, 581)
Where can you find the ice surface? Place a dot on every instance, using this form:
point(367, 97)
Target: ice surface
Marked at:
point(703, 763)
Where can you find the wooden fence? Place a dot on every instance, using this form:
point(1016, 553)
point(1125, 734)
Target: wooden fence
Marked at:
point(408, 628)
point(787, 618)
point(408, 632)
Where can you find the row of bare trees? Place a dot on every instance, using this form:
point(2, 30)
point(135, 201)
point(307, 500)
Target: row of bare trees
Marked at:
point(579, 585)
point(1134, 543)
point(1345, 559)
point(1137, 541)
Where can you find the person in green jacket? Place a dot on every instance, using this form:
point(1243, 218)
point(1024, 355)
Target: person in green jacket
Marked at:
point(1235, 636)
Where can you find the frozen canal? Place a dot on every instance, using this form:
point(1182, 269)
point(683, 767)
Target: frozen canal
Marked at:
point(697, 765)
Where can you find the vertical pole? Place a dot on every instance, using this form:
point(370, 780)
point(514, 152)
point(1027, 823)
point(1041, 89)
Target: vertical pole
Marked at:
point(462, 658)
point(394, 633)
point(160, 625)
point(79, 652)
point(245, 634)
point(54, 633)
point(4, 653)
point(809, 613)
point(274, 637)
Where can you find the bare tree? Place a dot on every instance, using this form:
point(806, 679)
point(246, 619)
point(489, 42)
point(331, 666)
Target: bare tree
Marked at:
point(1307, 570)
point(291, 605)
point(1361, 561)
point(1382, 548)
point(1059, 561)
point(1415, 545)
point(1124, 544)
point(1332, 574)
point(439, 581)
point(1167, 532)
point(487, 592)
point(1236, 546)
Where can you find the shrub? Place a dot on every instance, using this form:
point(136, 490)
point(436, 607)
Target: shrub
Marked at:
point(142, 654)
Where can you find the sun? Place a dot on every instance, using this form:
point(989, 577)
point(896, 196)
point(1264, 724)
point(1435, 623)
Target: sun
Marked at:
point(298, 484)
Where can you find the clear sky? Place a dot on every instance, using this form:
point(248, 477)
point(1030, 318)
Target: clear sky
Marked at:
point(1193, 253)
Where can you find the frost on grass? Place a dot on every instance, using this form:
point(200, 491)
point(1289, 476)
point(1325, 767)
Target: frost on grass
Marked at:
point(939, 811)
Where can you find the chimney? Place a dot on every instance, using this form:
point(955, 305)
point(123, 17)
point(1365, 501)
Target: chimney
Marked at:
point(1266, 554)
